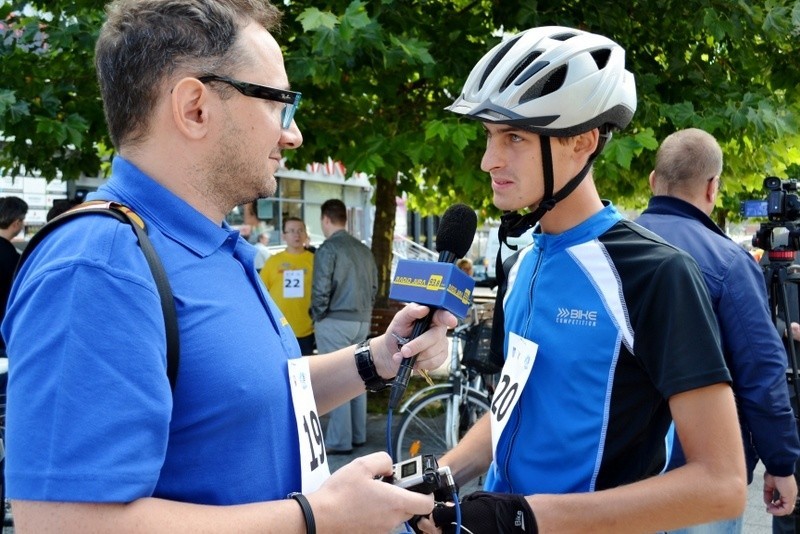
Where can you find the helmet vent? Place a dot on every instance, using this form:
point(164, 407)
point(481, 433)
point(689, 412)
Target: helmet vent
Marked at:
point(601, 57)
point(551, 83)
point(563, 36)
point(519, 68)
point(533, 69)
point(496, 59)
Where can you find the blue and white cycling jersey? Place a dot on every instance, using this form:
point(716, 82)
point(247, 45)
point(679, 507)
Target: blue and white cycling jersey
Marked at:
point(623, 322)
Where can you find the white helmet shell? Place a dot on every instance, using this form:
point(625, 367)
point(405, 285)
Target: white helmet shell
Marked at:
point(553, 81)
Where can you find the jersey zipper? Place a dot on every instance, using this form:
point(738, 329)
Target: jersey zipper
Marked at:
point(518, 407)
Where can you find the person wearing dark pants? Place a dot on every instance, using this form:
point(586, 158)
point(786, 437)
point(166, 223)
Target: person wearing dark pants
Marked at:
point(342, 295)
point(287, 276)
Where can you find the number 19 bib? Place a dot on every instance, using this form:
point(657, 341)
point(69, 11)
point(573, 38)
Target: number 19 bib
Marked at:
point(313, 463)
point(517, 369)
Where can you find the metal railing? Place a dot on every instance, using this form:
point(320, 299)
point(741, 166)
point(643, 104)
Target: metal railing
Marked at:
point(405, 249)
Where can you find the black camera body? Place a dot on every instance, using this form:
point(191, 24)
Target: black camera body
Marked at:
point(783, 204)
point(782, 208)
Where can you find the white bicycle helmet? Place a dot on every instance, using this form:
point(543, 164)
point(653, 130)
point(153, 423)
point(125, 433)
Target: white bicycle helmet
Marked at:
point(553, 81)
point(556, 82)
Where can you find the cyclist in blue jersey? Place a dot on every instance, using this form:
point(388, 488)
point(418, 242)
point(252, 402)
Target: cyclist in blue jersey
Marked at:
point(609, 331)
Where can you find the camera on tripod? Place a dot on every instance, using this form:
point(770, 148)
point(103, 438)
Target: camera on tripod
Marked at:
point(782, 208)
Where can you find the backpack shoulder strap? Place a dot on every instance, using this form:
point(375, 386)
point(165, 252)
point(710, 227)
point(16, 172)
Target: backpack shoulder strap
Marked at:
point(126, 215)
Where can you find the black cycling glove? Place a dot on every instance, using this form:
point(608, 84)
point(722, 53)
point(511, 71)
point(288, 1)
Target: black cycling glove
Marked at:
point(488, 513)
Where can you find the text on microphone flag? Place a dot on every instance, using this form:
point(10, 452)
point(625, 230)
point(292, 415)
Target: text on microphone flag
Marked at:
point(434, 284)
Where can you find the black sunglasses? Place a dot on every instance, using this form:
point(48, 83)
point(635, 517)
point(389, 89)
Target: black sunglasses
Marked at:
point(290, 98)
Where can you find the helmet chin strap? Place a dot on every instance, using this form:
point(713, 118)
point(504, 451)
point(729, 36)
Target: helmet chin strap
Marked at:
point(512, 224)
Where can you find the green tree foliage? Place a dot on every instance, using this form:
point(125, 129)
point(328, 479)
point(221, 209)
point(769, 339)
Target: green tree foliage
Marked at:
point(730, 68)
point(376, 76)
point(51, 117)
point(379, 74)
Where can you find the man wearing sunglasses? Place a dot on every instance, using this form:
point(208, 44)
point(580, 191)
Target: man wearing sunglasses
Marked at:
point(199, 109)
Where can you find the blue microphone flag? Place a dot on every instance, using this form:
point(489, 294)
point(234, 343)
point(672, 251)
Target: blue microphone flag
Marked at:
point(434, 284)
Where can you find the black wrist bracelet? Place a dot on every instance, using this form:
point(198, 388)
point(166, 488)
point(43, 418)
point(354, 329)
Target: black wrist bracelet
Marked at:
point(367, 370)
point(308, 515)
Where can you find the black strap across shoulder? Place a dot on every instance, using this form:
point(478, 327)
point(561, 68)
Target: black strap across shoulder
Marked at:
point(125, 215)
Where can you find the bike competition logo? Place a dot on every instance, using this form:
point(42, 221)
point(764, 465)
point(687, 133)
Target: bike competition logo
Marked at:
point(576, 317)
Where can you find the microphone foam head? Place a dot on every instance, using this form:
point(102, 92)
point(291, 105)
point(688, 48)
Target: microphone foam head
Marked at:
point(456, 230)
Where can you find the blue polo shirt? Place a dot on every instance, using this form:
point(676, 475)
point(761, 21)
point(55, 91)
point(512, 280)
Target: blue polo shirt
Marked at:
point(90, 413)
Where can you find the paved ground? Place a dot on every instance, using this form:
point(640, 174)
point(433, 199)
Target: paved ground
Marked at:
point(756, 520)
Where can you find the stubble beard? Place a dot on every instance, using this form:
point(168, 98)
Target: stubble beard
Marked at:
point(238, 180)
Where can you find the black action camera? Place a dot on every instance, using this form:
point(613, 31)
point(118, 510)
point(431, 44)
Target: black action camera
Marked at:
point(421, 474)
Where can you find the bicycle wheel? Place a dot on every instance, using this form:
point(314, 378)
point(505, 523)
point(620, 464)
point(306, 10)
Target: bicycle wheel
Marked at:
point(433, 425)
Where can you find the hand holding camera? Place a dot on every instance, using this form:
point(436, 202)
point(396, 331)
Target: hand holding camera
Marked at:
point(422, 474)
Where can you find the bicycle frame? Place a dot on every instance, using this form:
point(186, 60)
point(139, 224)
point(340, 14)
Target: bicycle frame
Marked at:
point(455, 382)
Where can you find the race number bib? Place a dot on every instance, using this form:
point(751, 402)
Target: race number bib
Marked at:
point(517, 369)
point(313, 463)
point(293, 284)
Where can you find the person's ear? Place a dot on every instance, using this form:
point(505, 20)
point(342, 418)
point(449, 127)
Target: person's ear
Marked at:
point(652, 181)
point(712, 187)
point(190, 110)
point(586, 143)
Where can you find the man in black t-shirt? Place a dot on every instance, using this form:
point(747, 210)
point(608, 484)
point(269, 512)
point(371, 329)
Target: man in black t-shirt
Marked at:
point(12, 220)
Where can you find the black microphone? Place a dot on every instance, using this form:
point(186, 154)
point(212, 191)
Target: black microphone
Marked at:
point(453, 240)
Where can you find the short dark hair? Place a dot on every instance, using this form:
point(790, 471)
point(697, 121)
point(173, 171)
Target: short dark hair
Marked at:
point(12, 209)
point(335, 210)
point(61, 205)
point(287, 219)
point(144, 42)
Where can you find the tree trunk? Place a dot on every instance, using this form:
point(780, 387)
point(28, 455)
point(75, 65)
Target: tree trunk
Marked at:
point(383, 234)
point(721, 220)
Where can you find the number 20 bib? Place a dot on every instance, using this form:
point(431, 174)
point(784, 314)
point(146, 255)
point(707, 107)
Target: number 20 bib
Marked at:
point(517, 369)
